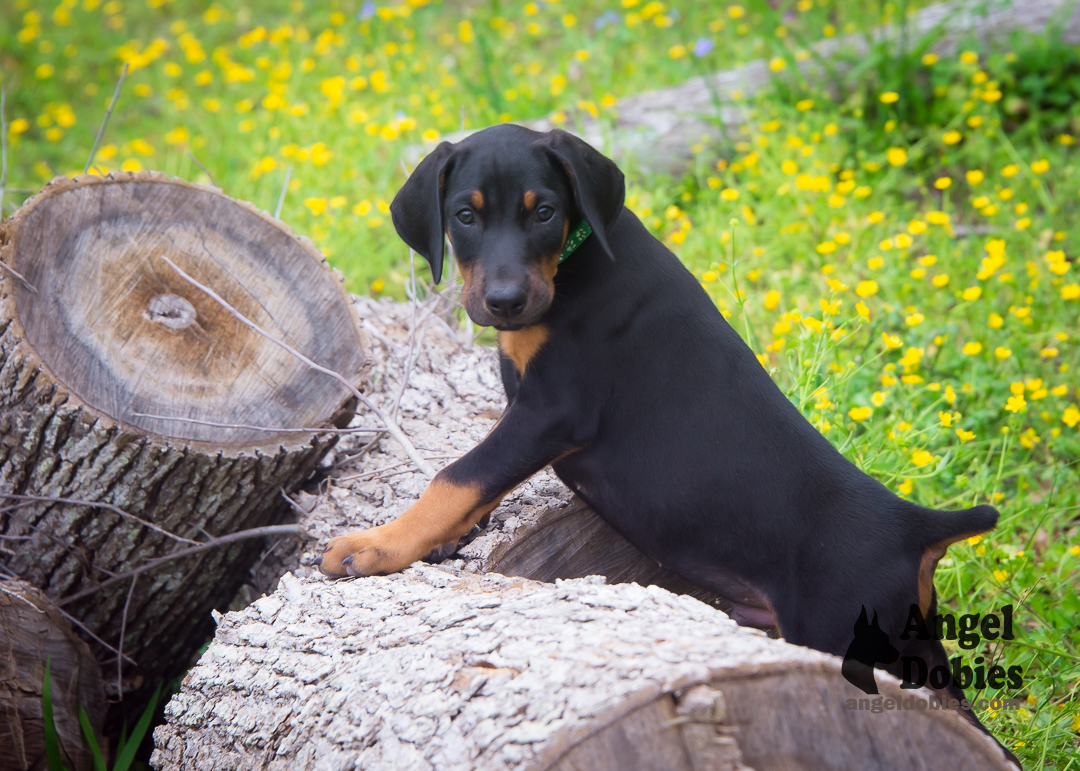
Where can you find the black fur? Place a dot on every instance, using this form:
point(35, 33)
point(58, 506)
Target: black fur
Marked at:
point(652, 408)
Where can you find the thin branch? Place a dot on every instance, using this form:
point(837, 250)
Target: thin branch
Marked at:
point(391, 425)
point(377, 472)
point(357, 430)
point(105, 122)
point(96, 639)
point(284, 190)
point(204, 169)
point(17, 274)
point(120, 644)
point(242, 535)
point(98, 505)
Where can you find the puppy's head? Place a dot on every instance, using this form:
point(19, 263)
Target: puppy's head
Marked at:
point(507, 197)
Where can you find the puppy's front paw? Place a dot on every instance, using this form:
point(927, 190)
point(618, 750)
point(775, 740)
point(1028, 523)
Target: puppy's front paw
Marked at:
point(363, 553)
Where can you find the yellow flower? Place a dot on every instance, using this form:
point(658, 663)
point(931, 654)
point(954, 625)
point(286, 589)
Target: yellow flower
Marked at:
point(897, 156)
point(878, 398)
point(952, 137)
point(1075, 551)
point(937, 218)
point(776, 64)
point(1040, 166)
point(972, 293)
point(866, 288)
point(922, 458)
point(804, 104)
point(973, 348)
point(1017, 388)
point(1071, 416)
point(994, 321)
point(1070, 292)
point(1023, 224)
point(316, 205)
point(941, 280)
point(1001, 575)
point(812, 323)
point(1048, 353)
point(929, 59)
point(1002, 352)
point(377, 285)
point(1015, 403)
point(903, 241)
point(891, 341)
point(1059, 390)
point(946, 418)
point(827, 247)
point(829, 308)
point(914, 319)
point(836, 286)
point(950, 394)
point(974, 177)
point(729, 194)
point(771, 300)
point(131, 164)
point(889, 97)
point(862, 310)
point(965, 436)
point(942, 183)
point(905, 487)
point(969, 57)
point(859, 413)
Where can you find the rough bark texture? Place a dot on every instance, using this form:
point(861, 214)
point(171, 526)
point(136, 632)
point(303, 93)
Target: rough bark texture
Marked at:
point(438, 669)
point(32, 632)
point(657, 129)
point(64, 433)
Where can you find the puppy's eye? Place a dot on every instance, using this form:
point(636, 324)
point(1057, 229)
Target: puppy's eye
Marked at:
point(545, 213)
point(465, 216)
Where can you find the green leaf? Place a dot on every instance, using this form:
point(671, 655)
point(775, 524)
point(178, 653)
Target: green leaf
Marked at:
point(88, 732)
point(52, 740)
point(126, 754)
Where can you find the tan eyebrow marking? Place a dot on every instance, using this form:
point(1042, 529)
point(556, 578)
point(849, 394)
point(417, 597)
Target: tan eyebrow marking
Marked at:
point(477, 199)
point(530, 199)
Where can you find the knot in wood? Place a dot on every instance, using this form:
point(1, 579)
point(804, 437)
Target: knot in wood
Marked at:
point(171, 310)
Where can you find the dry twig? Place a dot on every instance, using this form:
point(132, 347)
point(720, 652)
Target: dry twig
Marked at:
point(357, 430)
point(242, 535)
point(98, 505)
point(105, 122)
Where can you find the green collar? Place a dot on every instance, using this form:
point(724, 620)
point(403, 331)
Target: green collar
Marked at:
point(575, 239)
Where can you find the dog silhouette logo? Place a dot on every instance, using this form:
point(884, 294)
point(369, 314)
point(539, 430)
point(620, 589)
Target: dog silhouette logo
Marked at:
point(870, 646)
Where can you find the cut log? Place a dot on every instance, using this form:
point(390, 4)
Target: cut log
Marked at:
point(122, 383)
point(438, 669)
point(32, 631)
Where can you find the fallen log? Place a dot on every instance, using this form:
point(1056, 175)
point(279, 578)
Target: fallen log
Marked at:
point(437, 669)
point(33, 632)
point(139, 419)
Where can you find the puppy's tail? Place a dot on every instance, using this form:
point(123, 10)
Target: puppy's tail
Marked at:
point(946, 527)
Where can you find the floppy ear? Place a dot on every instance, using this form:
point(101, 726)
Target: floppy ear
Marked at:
point(598, 184)
point(417, 210)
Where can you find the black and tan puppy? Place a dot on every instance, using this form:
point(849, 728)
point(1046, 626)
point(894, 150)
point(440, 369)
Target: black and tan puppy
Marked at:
point(622, 374)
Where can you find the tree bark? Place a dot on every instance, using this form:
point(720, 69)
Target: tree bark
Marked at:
point(32, 632)
point(102, 347)
point(438, 669)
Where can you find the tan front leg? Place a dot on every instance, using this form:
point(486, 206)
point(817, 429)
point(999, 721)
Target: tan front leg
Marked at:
point(445, 512)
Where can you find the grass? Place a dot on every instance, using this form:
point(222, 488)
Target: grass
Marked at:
point(900, 251)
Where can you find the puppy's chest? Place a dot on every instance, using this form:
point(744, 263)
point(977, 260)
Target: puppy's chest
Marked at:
point(521, 346)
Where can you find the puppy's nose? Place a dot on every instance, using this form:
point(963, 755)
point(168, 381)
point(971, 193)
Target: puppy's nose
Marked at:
point(505, 300)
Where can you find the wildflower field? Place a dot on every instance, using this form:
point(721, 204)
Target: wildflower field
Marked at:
point(897, 242)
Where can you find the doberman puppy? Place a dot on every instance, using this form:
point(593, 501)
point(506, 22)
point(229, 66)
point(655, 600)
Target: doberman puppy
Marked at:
point(621, 374)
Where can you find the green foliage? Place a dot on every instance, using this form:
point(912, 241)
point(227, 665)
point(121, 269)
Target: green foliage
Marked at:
point(128, 745)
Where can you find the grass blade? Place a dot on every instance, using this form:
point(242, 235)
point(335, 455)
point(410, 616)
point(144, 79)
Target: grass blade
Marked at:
point(126, 754)
point(52, 740)
point(88, 732)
